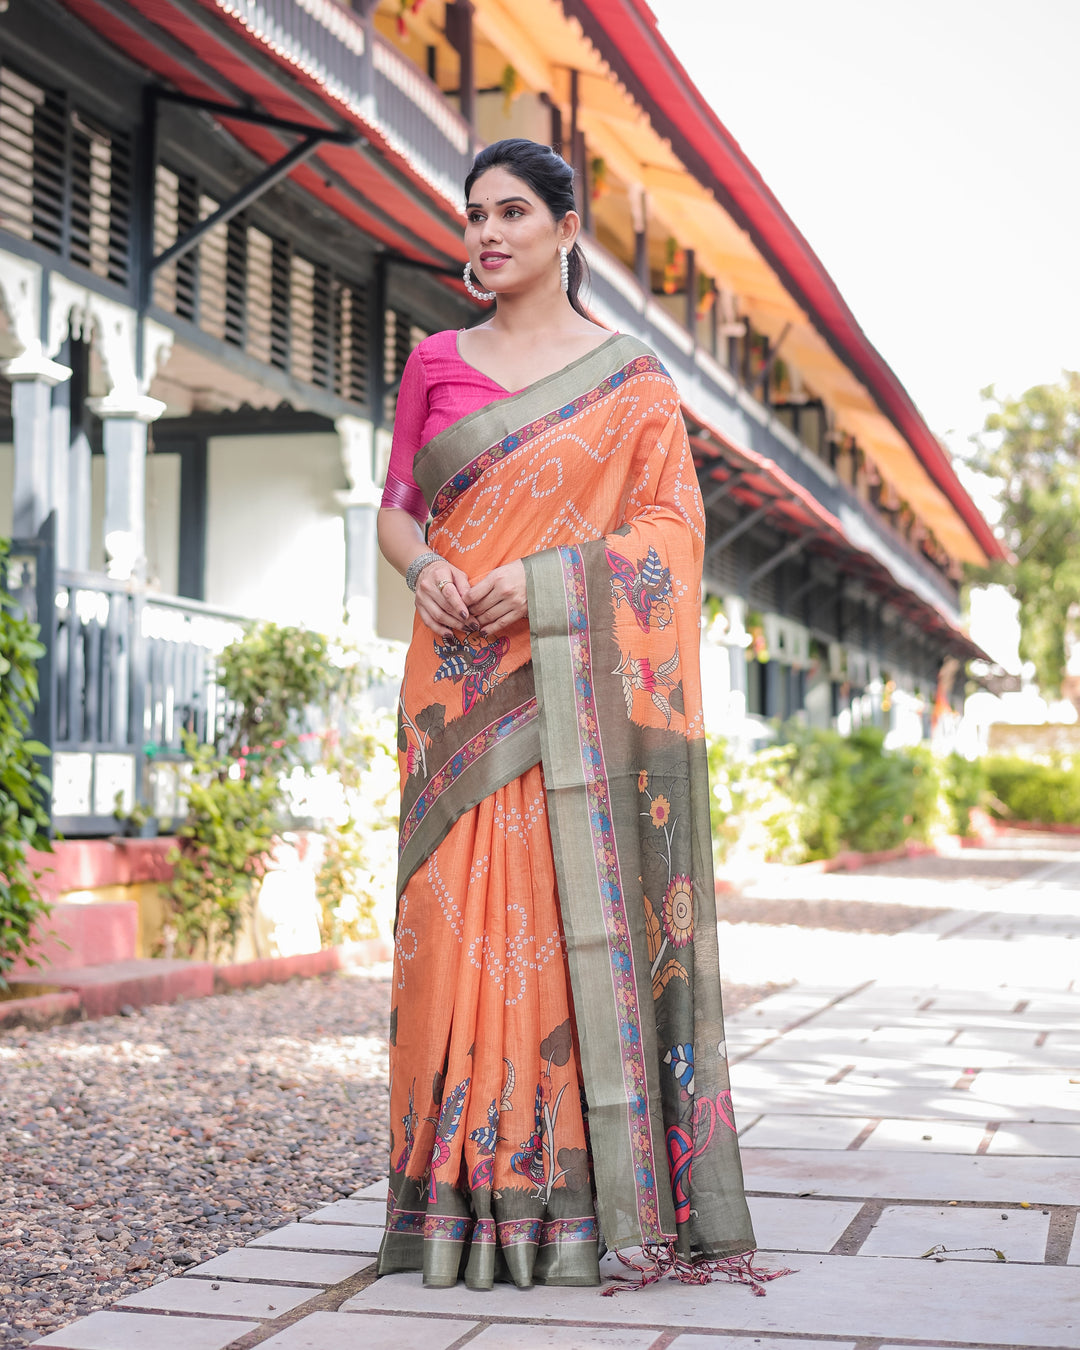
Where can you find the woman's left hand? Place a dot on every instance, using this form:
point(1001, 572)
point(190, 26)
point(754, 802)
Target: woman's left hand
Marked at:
point(499, 599)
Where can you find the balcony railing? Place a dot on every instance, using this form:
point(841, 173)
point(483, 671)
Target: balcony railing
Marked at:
point(369, 76)
point(716, 395)
point(126, 673)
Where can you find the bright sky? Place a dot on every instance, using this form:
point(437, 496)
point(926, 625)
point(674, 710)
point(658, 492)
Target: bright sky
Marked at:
point(927, 149)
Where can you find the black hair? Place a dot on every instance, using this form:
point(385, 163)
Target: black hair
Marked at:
point(551, 178)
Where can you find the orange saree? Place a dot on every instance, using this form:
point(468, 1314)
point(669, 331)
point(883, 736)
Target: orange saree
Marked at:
point(559, 1083)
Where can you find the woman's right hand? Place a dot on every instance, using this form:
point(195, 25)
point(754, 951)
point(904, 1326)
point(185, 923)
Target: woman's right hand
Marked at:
point(439, 589)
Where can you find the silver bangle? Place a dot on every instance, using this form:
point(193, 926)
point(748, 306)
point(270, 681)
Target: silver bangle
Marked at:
point(412, 576)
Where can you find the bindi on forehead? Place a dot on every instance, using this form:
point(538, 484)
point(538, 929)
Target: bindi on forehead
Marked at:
point(502, 201)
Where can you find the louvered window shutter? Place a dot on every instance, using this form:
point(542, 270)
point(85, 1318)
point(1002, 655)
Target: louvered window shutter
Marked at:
point(254, 290)
point(65, 179)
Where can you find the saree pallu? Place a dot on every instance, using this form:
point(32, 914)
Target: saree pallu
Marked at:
point(559, 1079)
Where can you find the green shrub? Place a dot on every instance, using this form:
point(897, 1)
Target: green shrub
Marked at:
point(272, 675)
point(818, 792)
point(1022, 790)
point(226, 838)
point(750, 806)
point(236, 800)
point(300, 743)
point(964, 784)
point(822, 789)
point(24, 789)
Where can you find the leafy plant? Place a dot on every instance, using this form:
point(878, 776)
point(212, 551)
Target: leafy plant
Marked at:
point(271, 676)
point(301, 741)
point(965, 787)
point(226, 838)
point(235, 796)
point(818, 792)
point(24, 821)
point(346, 912)
point(1046, 793)
point(358, 754)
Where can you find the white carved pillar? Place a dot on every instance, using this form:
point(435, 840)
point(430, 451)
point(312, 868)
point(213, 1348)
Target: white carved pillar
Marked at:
point(33, 376)
point(360, 503)
point(123, 432)
point(125, 411)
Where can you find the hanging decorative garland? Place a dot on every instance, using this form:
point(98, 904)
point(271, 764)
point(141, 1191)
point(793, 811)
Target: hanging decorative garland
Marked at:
point(512, 86)
point(406, 7)
point(706, 291)
point(675, 260)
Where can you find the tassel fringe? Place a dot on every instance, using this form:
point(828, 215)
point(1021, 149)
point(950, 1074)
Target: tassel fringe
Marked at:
point(658, 1261)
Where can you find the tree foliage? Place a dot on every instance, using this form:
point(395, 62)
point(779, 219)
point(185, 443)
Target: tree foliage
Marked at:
point(1031, 445)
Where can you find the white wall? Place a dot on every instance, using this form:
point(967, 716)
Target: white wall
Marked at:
point(162, 521)
point(275, 537)
point(7, 475)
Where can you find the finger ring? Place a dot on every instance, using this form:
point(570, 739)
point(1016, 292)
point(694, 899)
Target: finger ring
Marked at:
point(442, 585)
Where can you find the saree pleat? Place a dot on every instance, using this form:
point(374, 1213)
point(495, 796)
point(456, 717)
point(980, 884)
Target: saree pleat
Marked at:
point(490, 1175)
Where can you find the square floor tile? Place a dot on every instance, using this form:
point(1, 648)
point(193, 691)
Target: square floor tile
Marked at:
point(909, 1037)
point(369, 1331)
point(796, 1131)
point(264, 1263)
point(376, 1191)
point(925, 1136)
point(1040, 1095)
point(996, 1038)
point(144, 1331)
point(790, 1224)
point(322, 1237)
point(367, 1213)
point(912, 1176)
point(223, 1297)
point(1061, 1141)
point(911, 1230)
point(519, 1336)
point(969, 1302)
point(692, 1342)
point(849, 1098)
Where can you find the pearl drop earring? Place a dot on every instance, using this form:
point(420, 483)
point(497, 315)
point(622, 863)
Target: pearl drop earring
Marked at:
point(475, 291)
point(564, 268)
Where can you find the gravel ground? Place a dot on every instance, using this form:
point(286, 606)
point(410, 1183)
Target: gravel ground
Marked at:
point(133, 1147)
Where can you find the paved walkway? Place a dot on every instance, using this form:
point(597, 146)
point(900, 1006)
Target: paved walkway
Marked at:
point(912, 1149)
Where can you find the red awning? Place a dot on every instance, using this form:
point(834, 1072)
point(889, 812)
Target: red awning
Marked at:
point(700, 139)
point(794, 510)
point(151, 39)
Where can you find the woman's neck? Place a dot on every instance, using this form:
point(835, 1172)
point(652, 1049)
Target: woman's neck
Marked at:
point(531, 315)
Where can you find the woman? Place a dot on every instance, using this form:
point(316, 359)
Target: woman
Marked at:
point(558, 1078)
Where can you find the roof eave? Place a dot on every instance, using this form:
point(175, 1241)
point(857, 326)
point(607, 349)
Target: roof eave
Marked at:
point(631, 34)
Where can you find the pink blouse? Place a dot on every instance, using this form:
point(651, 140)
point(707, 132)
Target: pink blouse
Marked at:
point(438, 388)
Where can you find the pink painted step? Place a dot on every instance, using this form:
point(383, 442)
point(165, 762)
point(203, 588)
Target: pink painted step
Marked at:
point(83, 935)
point(107, 988)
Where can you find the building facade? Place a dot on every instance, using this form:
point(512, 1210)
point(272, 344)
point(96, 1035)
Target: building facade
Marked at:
point(224, 224)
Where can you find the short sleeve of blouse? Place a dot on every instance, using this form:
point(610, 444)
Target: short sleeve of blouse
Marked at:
point(409, 419)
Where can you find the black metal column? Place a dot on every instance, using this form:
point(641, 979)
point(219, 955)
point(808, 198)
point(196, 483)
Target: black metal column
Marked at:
point(191, 564)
